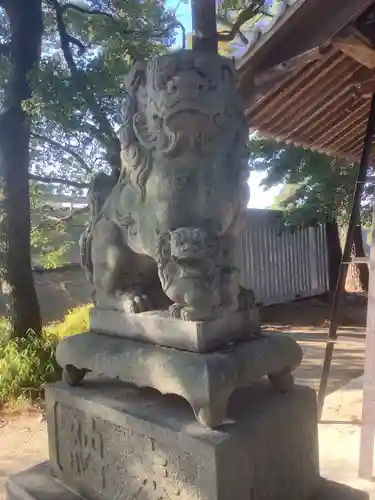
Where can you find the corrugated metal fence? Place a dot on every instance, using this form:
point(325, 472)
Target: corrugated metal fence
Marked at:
point(281, 265)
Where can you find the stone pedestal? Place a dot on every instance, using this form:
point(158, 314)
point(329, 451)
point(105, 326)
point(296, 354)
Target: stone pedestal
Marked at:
point(159, 328)
point(206, 380)
point(109, 440)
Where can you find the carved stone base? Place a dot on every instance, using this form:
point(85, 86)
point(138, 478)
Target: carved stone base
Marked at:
point(110, 441)
point(206, 381)
point(158, 327)
point(38, 484)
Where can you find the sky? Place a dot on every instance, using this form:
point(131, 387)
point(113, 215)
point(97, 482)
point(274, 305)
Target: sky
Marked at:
point(259, 198)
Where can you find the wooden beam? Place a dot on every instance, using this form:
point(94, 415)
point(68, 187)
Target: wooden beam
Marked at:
point(365, 89)
point(290, 111)
point(281, 70)
point(307, 24)
point(274, 136)
point(267, 80)
point(365, 25)
point(352, 44)
point(293, 92)
point(302, 115)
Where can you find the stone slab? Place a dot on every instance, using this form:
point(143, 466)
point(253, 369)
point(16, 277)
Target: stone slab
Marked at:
point(109, 440)
point(37, 483)
point(206, 381)
point(158, 327)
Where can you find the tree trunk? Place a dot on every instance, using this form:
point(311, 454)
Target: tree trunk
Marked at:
point(203, 14)
point(334, 253)
point(360, 270)
point(26, 22)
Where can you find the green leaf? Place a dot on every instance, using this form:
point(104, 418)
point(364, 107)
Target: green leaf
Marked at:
point(316, 187)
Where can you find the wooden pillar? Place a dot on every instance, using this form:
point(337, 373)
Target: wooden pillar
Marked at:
point(346, 256)
point(366, 454)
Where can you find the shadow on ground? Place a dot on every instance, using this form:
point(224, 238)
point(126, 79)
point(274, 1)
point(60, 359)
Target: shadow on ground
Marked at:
point(335, 491)
point(347, 362)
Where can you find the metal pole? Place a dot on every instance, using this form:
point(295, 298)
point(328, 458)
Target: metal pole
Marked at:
point(343, 272)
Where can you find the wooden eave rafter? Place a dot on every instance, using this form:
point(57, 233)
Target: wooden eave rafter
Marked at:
point(319, 98)
point(354, 45)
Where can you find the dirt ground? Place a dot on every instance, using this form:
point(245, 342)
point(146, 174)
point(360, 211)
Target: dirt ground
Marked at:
point(58, 291)
point(313, 314)
point(23, 437)
point(307, 321)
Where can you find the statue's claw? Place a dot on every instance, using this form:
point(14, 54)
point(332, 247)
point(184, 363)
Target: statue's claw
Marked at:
point(189, 313)
point(175, 310)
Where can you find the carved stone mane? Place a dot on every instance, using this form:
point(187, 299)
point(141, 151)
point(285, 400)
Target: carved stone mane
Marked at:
point(135, 160)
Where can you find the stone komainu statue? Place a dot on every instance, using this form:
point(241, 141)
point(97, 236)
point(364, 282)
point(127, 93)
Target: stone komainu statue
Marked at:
point(163, 235)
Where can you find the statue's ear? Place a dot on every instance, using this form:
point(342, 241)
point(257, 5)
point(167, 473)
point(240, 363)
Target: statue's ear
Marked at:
point(136, 77)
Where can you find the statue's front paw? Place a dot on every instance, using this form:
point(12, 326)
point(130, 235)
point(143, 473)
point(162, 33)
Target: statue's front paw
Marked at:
point(197, 314)
point(140, 303)
point(190, 313)
point(134, 302)
point(181, 311)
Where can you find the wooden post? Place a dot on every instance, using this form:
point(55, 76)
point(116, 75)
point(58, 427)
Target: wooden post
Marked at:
point(366, 453)
point(343, 272)
point(203, 14)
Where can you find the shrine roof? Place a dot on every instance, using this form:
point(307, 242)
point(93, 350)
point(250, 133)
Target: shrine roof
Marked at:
point(308, 79)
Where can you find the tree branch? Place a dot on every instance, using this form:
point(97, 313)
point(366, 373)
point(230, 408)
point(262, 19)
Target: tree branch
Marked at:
point(229, 25)
point(58, 180)
point(59, 220)
point(64, 35)
point(82, 10)
point(80, 77)
point(244, 16)
point(74, 41)
point(66, 149)
point(140, 31)
point(65, 39)
point(73, 213)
